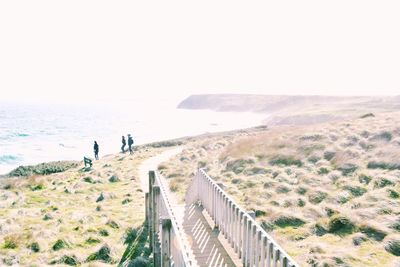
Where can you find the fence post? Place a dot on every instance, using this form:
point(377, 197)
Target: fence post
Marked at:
point(147, 204)
point(166, 242)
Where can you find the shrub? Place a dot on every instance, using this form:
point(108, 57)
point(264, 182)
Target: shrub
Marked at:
point(10, 242)
point(103, 254)
point(301, 190)
point(130, 235)
point(358, 239)
point(59, 244)
point(328, 155)
point(383, 165)
point(89, 180)
point(356, 190)
point(393, 247)
point(256, 170)
point(92, 240)
point(367, 115)
point(301, 202)
point(100, 198)
point(36, 187)
point(340, 225)
point(317, 197)
point(319, 230)
point(396, 225)
point(238, 166)
point(286, 161)
point(267, 226)
point(112, 224)
point(288, 221)
point(260, 213)
point(34, 247)
point(364, 179)
point(323, 171)
point(138, 262)
point(382, 182)
point(313, 159)
point(347, 168)
point(103, 232)
point(393, 194)
point(126, 201)
point(113, 179)
point(385, 135)
point(372, 232)
point(43, 168)
point(282, 189)
point(69, 260)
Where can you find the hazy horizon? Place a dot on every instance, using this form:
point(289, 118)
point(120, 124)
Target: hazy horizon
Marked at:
point(106, 50)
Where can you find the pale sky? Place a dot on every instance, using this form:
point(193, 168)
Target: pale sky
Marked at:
point(76, 49)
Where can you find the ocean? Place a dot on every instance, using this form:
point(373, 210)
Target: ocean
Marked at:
point(32, 133)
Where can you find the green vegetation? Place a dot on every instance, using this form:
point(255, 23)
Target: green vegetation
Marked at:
point(356, 191)
point(286, 161)
point(59, 244)
point(383, 165)
point(340, 225)
point(34, 247)
point(393, 246)
point(347, 168)
point(372, 232)
point(43, 168)
point(317, 197)
point(288, 221)
point(103, 254)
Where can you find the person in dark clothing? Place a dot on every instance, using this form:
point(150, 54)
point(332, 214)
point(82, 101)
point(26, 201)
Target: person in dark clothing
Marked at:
point(96, 150)
point(130, 143)
point(123, 144)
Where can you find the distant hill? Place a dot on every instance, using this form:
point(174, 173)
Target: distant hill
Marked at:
point(263, 103)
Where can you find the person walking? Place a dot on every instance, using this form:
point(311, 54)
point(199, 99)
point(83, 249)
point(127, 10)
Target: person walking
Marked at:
point(130, 143)
point(123, 144)
point(96, 150)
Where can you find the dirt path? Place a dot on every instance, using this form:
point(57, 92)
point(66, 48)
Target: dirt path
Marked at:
point(152, 164)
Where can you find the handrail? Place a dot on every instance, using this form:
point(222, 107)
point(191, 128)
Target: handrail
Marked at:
point(248, 239)
point(165, 234)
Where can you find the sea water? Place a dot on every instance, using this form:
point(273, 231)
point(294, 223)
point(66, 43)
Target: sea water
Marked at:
point(32, 133)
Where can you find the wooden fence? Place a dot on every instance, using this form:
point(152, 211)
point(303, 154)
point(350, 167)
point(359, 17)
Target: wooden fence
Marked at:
point(248, 239)
point(165, 235)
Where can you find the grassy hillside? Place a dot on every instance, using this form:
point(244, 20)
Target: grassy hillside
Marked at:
point(329, 193)
point(72, 217)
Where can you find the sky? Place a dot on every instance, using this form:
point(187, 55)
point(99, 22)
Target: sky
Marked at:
point(69, 50)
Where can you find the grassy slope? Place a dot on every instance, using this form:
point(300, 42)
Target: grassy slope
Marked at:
point(44, 209)
point(310, 185)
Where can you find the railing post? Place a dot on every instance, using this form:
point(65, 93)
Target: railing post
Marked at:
point(156, 195)
point(147, 204)
point(150, 221)
point(166, 242)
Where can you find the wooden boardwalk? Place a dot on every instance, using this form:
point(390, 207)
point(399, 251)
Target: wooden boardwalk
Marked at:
point(209, 230)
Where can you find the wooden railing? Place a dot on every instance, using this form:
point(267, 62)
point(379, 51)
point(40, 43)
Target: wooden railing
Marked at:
point(166, 240)
point(247, 238)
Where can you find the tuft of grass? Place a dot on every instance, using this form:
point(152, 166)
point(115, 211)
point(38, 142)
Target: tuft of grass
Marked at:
point(383, 165)
point(393, 194)
point(36, 187)
point(114, 178)
point(347, 168)
point(356, 191)
point(340, 225)
point(130, 235)
point(103, 254)
point(317, 197)
point(174, 186)
point(103, 232)
point(92, 240)
point(328, 155)
point(393, 247)
point(301, 190)
point(288, 221)
point(286, 161)
point(323, 171)
point(10, 242)
point(139, 262)
point(34, 247)
point(282, 189)
point(238, 166)
point(372, 232)
point(385, 135)
point(382, 182)
point(359, 239)
point(364, 179)
point(112, 224)
point(89, 180)
point(59, 244)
